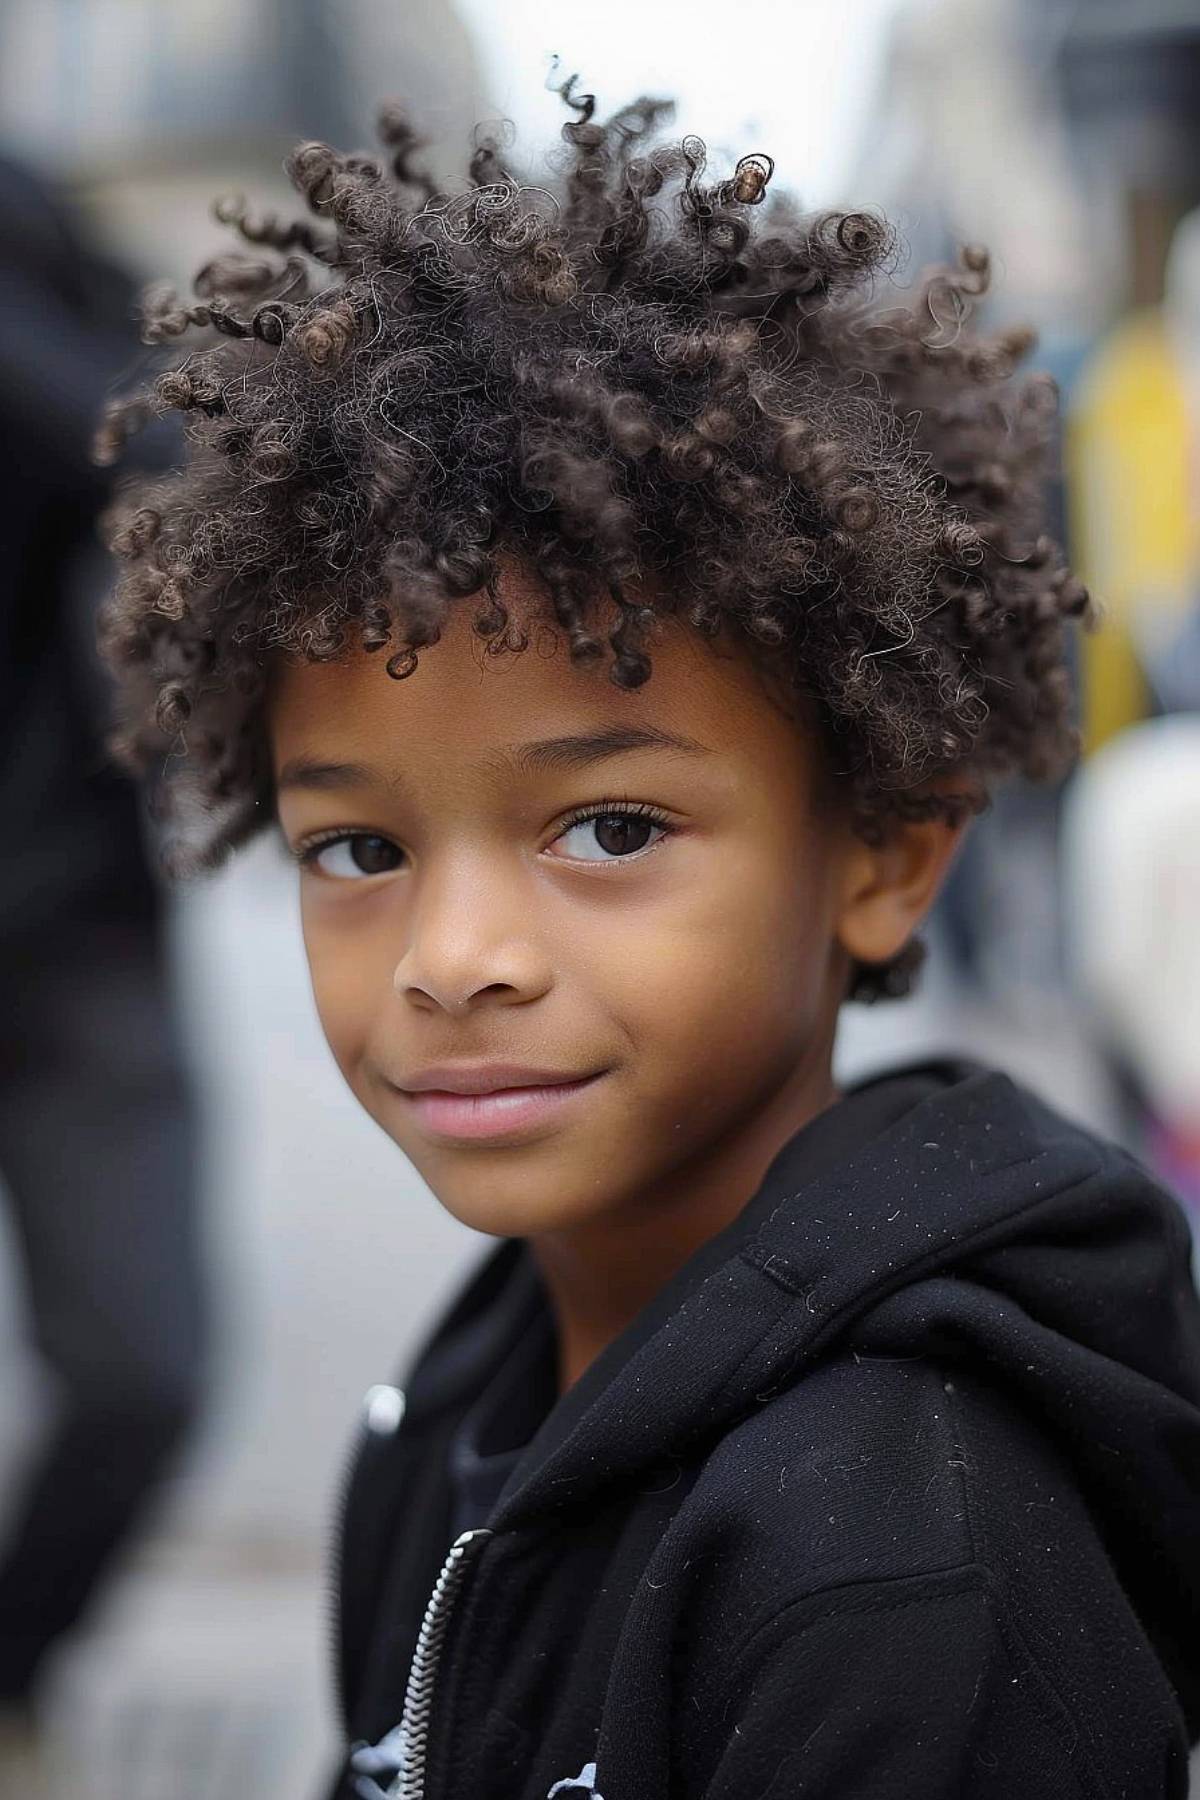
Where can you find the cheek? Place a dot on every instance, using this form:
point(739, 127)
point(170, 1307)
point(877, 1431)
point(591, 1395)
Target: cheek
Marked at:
point(739, 967)
point(346, 982)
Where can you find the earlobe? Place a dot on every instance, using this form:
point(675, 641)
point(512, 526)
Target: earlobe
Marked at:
point(887, 889)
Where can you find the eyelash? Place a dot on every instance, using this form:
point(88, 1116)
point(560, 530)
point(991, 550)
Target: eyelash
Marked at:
point(605, 809)
point(307, 852)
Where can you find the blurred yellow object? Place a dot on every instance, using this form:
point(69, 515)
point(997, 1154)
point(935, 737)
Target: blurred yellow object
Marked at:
point(1134, 535)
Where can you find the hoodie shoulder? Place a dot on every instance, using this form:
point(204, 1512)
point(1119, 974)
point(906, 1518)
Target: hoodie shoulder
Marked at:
point(874, 1483)
point(992, 1359)
point(853, 1473)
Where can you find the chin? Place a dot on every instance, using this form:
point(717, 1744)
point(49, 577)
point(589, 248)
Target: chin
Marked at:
point(498, 1216)
point(512, 1202)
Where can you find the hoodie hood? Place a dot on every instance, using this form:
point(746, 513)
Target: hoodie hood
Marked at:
point(971, 1222)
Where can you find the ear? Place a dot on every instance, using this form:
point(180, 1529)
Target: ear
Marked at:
point(886, 889)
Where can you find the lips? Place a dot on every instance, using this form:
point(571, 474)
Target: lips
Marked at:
point(485, 1078)
point(498, 1112)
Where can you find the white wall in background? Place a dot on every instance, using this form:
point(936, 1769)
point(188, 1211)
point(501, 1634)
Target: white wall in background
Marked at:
point(788, 76)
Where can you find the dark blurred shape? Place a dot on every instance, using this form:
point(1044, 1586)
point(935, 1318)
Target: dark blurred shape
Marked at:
point(96, 1130)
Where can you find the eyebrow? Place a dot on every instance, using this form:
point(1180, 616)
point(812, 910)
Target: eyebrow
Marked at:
point(307, 772)
point(594, 746)
point(544, 754)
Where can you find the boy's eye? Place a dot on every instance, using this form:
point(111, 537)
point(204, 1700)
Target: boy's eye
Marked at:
point(358, 853)
point(615, 831)
point(602, 834)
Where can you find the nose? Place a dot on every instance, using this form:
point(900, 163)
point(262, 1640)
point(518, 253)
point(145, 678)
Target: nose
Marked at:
point(469, 935)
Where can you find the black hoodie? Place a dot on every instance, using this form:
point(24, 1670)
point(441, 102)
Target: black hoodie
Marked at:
point(892, 1493)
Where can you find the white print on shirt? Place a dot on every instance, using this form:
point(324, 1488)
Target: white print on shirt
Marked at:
point(583, 1783)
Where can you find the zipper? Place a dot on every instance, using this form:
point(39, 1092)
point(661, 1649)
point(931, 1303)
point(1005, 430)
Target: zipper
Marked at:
point(404, 1751)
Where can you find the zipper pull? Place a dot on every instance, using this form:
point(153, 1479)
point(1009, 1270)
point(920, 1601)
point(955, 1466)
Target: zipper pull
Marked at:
point(386, 1759)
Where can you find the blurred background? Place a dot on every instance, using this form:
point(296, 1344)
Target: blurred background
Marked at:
point(207, 1254)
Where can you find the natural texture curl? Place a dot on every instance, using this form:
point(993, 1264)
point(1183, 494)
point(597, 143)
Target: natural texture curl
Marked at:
point(656, 396)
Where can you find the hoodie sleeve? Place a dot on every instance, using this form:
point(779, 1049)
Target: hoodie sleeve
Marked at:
point(889, 1690)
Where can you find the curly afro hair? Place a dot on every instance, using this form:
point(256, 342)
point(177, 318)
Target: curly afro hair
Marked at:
point(654, 390)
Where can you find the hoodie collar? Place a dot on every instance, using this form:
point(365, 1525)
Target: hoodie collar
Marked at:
point(824, 1228)
point(880, 1188)
point(506, 1294)
point(914, 1174)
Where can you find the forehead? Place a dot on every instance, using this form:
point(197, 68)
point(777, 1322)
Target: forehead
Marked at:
point(463, 705)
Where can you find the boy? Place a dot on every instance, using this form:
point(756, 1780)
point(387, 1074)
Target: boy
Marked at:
point(623, 614)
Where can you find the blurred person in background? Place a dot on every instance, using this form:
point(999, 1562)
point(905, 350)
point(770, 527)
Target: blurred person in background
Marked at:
point(96, 1121)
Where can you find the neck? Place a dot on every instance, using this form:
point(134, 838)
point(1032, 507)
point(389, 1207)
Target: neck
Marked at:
point(600, 1275)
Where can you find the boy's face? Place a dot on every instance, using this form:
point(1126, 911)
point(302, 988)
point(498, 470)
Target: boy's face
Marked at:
point(686, 963)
